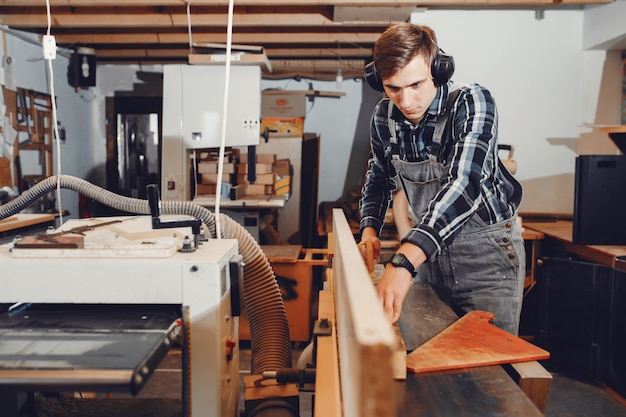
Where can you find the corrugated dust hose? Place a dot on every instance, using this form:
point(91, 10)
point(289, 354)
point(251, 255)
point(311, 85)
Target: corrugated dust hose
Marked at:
point(269, 330)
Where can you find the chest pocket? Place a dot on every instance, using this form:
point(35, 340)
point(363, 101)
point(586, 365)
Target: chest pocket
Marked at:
point(420, 173)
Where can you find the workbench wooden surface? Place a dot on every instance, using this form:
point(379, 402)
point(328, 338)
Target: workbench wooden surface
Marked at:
point(471, 392)
point(562, 231)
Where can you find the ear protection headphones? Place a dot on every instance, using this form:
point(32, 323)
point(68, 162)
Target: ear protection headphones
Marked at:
point(441, 69)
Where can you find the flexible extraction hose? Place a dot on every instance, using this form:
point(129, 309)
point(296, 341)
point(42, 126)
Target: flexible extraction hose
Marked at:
point(269, 330)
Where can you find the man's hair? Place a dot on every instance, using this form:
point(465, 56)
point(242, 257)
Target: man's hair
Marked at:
point(399, 44)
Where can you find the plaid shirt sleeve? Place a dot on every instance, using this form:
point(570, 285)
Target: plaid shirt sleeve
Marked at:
point(376, 193)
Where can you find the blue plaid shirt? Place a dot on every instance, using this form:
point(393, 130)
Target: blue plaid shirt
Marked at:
point(474, 182)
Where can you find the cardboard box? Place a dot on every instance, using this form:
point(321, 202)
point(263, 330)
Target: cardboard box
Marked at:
point(280, 127)
point(283, 105)
point(212, 167)
point(229, 168)
point(265, 179)
point(282, 167)
point(207, 167)
point(206, 189)
point(212, 178)
point(263, 158)
point(260, 168)
point(256, 189)
point(238, 191)
point(282, 185)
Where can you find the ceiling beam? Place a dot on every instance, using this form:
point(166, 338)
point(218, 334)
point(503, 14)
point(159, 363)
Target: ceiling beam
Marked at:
point(279, 53)
point(155, 38)
point(179, 20)
point(354, 3)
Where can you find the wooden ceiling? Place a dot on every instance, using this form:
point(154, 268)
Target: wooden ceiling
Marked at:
point(300, 37)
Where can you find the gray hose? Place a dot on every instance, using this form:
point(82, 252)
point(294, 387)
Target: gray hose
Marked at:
point(269, 330)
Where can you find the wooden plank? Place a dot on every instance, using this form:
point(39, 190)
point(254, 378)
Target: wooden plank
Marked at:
point(365, 337)
point(23, 220)
point(327, 401)
point(472, 341)
point(398, 358)
point(534, 381)
point(58, 242)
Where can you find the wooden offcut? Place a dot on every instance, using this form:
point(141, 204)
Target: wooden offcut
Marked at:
point(472, 341)
point(57, 242)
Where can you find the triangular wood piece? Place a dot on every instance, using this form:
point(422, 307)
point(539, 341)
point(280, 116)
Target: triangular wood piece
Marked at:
point(472, 341)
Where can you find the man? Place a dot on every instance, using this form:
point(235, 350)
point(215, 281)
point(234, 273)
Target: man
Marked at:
point(437, 141)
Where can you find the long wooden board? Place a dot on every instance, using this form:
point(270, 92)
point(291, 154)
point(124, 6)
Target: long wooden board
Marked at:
point(472, 341)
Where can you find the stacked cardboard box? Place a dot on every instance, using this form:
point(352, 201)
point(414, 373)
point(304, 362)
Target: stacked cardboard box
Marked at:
point(207, 170)
point(272, 175)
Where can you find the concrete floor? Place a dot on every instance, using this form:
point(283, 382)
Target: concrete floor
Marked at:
point(569, 397)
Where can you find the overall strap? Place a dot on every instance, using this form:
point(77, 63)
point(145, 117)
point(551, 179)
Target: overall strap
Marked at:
point(440, 127)
point(393, 134)
point(442, 121)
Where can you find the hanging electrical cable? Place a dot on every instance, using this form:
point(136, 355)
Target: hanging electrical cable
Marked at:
point(189, 25)
point(220, 165)
point(49, 52)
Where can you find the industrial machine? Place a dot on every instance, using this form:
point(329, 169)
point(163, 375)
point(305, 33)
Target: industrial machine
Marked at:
point(193, 116)
point(124, 263)
point(97, 303)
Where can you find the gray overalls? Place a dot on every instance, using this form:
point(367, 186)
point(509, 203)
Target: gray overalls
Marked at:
point(484, 266)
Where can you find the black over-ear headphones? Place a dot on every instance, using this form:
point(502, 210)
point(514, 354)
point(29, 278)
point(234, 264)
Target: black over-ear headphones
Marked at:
point(442, 69)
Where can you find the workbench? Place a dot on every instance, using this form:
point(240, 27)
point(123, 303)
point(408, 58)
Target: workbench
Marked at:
point(560, 232)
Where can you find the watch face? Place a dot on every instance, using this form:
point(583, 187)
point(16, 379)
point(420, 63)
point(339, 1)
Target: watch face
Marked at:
point(397, 260)
point(401, 261)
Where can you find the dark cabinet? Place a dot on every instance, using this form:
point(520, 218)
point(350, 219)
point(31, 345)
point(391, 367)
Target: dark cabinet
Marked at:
point(616, 369)
point(577, 312)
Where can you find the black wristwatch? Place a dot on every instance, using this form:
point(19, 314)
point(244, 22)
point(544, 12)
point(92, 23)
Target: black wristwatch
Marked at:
point(401, 261)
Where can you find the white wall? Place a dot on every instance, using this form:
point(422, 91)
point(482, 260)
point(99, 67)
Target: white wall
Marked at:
point(28, 70)
point(549, 88)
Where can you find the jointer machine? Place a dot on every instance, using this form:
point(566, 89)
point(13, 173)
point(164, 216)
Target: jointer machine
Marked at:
point(96, 304)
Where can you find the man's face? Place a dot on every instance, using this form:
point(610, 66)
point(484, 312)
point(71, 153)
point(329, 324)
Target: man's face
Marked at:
point(412, 89)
